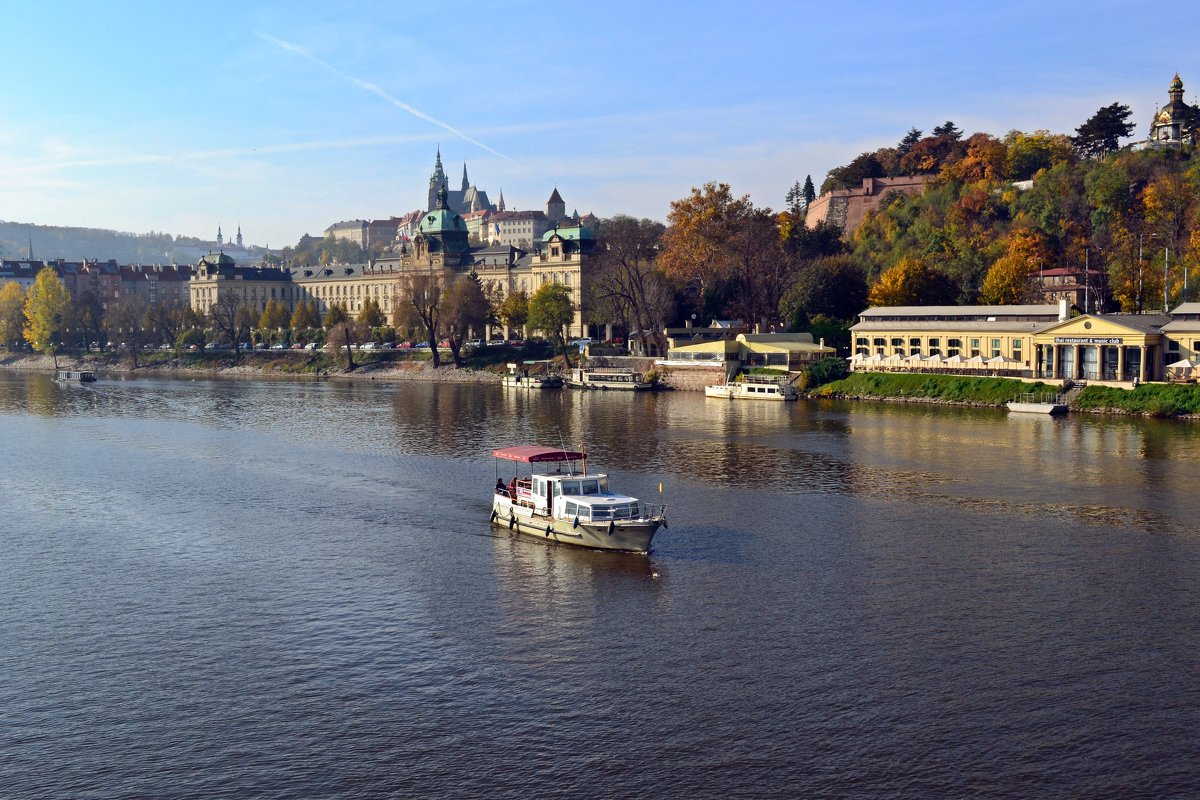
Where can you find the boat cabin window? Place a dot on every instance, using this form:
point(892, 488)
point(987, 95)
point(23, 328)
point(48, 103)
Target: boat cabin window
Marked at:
point(590, 486)
point(570, 487)
point(570, 508)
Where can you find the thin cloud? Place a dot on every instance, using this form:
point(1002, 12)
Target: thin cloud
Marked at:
point(379, 91)
point(202, 155)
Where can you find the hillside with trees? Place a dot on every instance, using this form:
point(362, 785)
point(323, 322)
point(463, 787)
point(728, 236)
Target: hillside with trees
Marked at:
point(76, 244)
point(1000, 210)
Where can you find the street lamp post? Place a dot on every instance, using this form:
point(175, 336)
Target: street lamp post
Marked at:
point(1166, 266)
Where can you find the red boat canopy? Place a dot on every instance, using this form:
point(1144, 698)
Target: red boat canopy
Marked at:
point(532, 454)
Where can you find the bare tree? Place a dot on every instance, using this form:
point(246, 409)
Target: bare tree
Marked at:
point(346, 334)
point(233, 319)
point(464, 307)
point(418, 301)
point(627, 285)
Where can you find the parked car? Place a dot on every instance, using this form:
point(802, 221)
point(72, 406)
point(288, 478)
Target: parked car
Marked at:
point(370, 346)
point(310, 346)
point(516, 342)
point(405, 346)
point(278, 347)
point(421, 346)
point(474, 343)
point(297, 346)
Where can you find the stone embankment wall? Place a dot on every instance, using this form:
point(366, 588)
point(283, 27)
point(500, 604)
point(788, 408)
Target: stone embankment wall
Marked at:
point(691, 379)
point(685, 379)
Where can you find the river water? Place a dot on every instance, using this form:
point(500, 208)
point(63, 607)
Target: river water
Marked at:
point(290, 589)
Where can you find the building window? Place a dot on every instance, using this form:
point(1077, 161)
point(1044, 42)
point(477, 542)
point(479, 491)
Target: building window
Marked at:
point(995, 348)
point(1016, 349)
point(974, 347)
point(953, 346)
point(935, 347)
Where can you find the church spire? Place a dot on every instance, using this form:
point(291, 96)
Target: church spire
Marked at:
point(239, 235)
point(465, 185)
point(500, 202)
point(220, 238)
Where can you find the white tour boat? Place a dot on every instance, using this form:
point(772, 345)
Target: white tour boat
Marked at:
point(752, 387)
point(1039, 403)
point(607, 378)
point(74, 376)
point(520, 377)
point(569, 507)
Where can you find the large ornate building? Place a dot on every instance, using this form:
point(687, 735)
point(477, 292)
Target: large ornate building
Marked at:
point(1173, 124)
point(440, 243)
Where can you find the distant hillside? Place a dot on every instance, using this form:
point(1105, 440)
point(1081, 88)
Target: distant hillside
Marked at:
point(74, 244)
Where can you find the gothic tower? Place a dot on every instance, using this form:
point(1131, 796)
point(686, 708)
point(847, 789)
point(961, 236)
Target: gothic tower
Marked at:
point(437, 181)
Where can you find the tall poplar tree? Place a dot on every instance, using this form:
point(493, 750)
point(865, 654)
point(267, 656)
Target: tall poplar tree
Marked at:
point(45, 312)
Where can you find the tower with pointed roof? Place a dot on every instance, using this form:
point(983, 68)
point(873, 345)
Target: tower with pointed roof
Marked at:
point(500, 202)
point(465, 184)
point(1174, 123)
point(437, 181)
point(556, 209)
point(442, 234)
point(239, 237)
point(220, 237)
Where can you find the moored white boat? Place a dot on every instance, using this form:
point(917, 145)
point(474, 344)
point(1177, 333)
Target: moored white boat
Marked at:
point(1039, 403)
point(74, 376)
point(753, 388)
point(607, 378)
point(520, 377)
point(569, 507)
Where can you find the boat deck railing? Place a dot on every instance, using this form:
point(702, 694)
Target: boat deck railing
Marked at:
point(1049, 398)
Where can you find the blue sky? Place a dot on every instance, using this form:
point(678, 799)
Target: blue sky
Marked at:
point(286, 117)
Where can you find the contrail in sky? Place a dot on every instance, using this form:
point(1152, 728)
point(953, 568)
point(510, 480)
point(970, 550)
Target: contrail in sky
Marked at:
point(377, 90)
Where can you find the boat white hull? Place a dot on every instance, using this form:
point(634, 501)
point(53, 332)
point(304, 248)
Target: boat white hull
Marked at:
point(732, 393)
point(532, 383)
point(624, 535)
point(1038, 408)
point(602, 385)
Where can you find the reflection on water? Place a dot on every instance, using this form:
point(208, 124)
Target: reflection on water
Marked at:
point(291, 589)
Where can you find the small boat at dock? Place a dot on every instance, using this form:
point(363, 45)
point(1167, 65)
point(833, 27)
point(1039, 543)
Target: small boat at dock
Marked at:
point(607, 378)
point(74, 376)
point(530, 376)
point(1039, 403)
point(754, 387)
point(568, 506)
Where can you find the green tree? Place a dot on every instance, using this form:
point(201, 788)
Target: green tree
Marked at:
point(551, 311)
point(45, 312)
point(794, 199)
point(12, 314)
point(949, 130)
point(305, 316)
point(273, 317)
point(912, 282)
point(809, 191)
point(336, 313)
point(514, 311)
point(833, 287)
point(371, 314)
point(906, 144)
point(1103, 131)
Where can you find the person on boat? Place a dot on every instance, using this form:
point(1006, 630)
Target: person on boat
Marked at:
point(512, 488)
point(500, 488)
